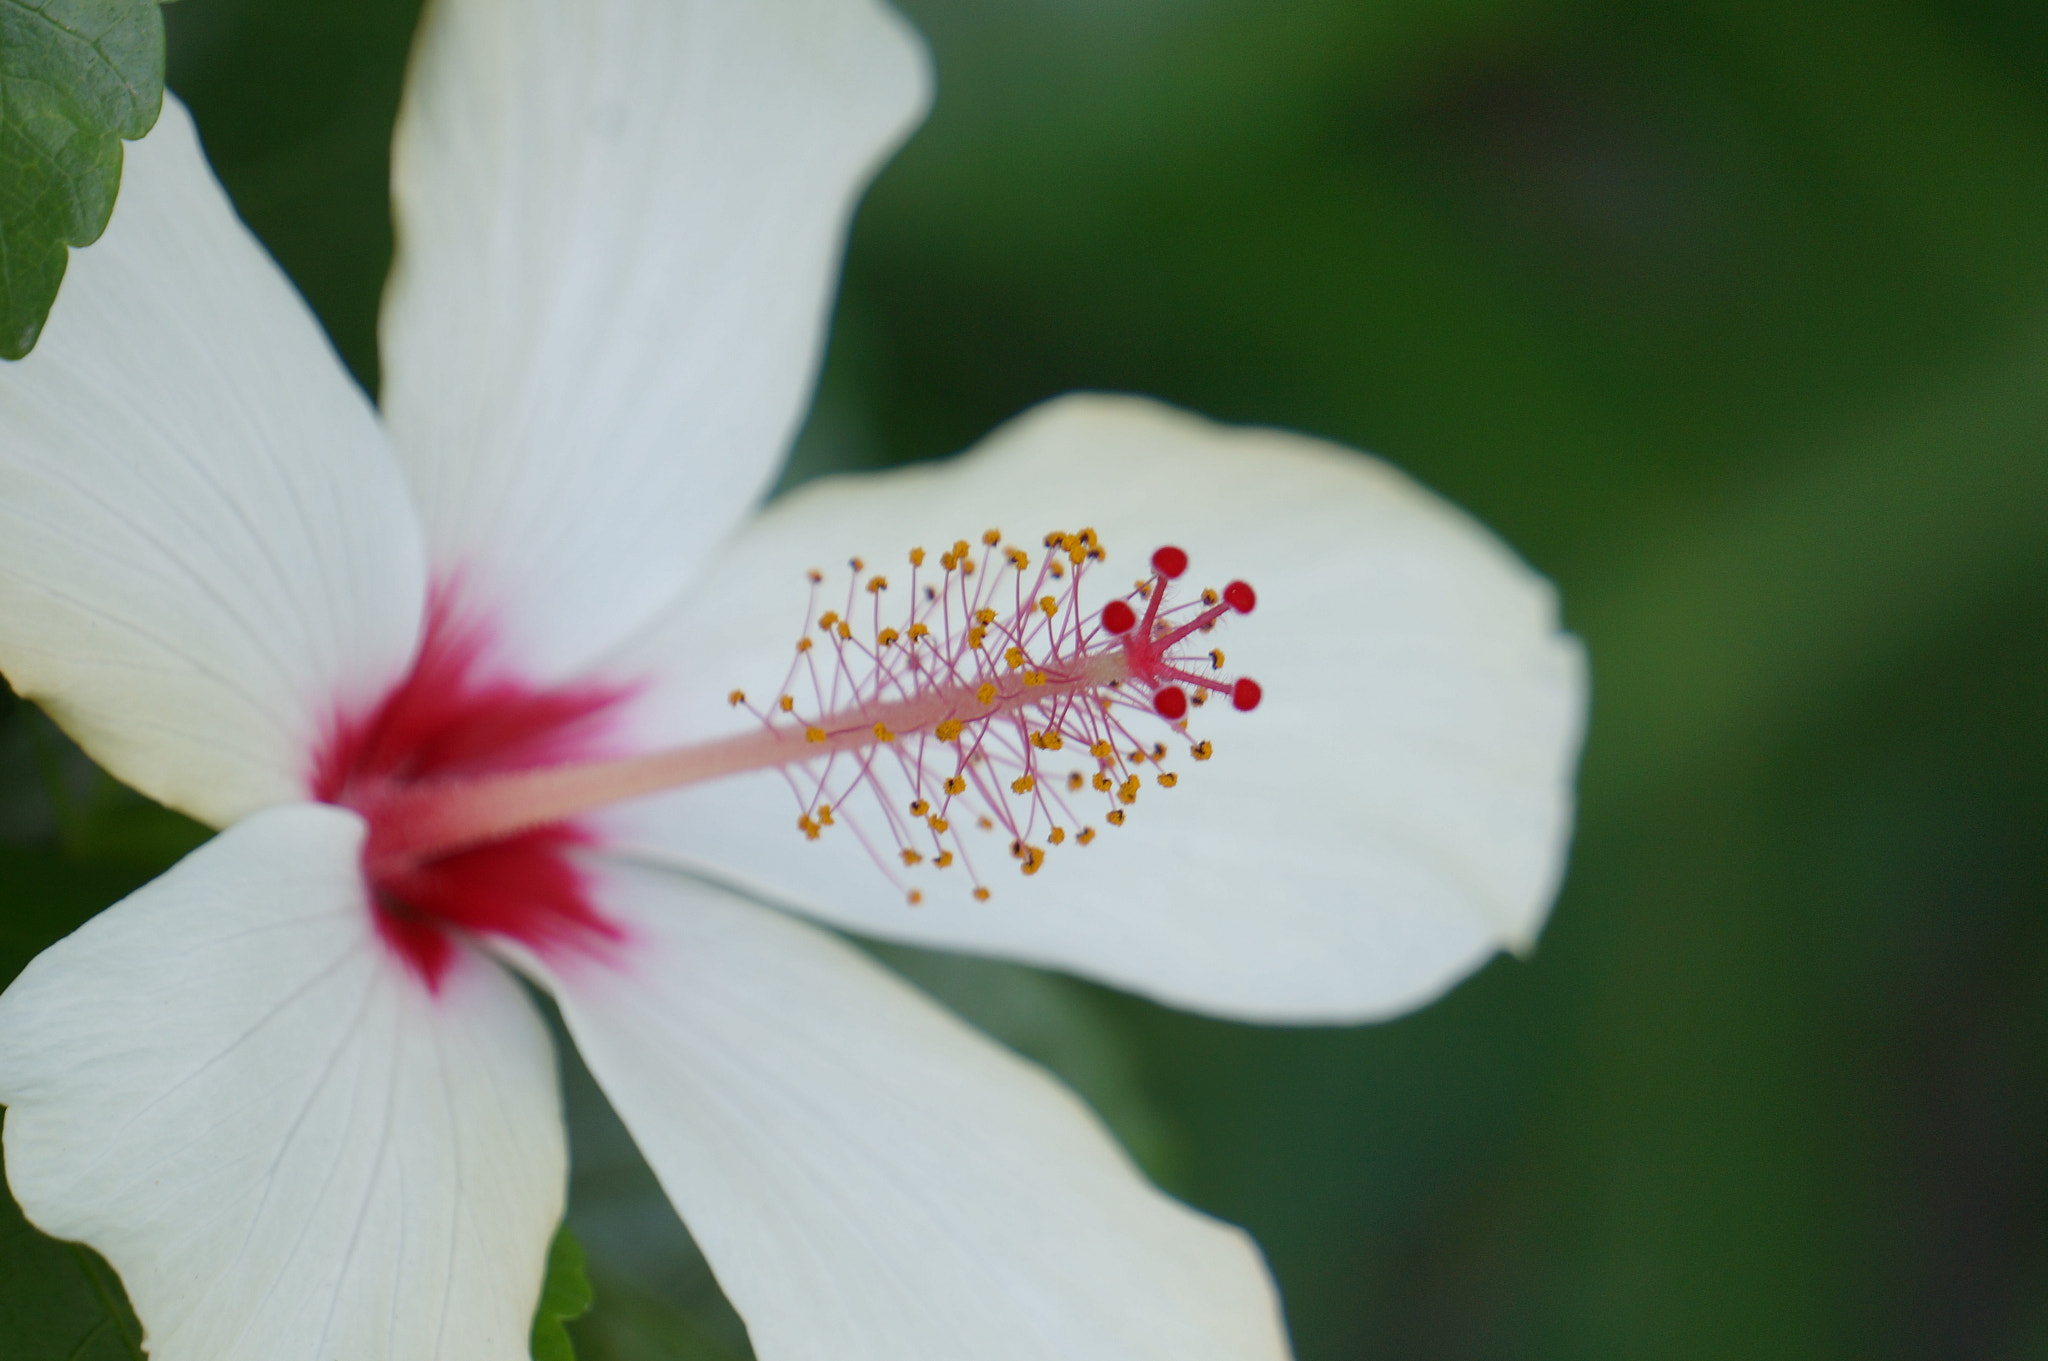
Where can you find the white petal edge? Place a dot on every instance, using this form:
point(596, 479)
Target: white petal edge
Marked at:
point(287, 1147)
point(619, 226)
point(870, 1179)
point(206, 551)
point(1395, 812)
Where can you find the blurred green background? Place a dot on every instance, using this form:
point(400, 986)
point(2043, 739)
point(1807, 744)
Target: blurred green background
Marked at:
point(1733, 317)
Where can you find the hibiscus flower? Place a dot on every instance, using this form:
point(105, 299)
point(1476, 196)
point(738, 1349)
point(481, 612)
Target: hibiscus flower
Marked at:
point(512, 680)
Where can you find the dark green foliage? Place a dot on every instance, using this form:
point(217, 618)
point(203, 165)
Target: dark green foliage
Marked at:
point(58, 1300)
point(76, 77)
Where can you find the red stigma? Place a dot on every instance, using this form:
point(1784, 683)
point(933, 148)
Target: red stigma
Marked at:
point(1171, 702)
point(1169, 562)
point(1240, 596)
point(1246, 694)
point(1117, 617)
point(446, 720)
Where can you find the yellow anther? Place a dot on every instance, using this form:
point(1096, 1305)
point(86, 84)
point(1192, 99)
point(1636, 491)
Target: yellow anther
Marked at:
point(856, 564)
point(1055, 568)
point(1049, 605)
point(966, 568)
point(1128, 791)
point(980, 894)
point(915, 897)
point(918, 631)
point(824, 815)
point(803, 645)
point(1086, 835)
point(937, 823)
point(1144, 590)
point(814, 734)
point(1034, 856)
point(960, 549)
point(1088, 537)
point(985, 824)
point(943, 859)
point(1034, 678)
point(1159, 751)
point(918, 808)
point(1103, 782)
point(786, 703)
point(1138, 754)
point(1076, 780)
point(947, 730)
point(1101, 751)
point(1216, 659)
point(1056, 835)
point(1023, 784)
point(910, 857)
point(955, 785)
point(1203, 751)
point(882, 733)
point(992, 537)
point(815, 575)
point(1054, 742)
point(987, 693)
point(887, 637)
point(1115, 817)
point(1019, 559)
point(845, 630)
point(828, 619)
point(984, 616)
point(1014, 656)
point(1210, 597)
point(917, 557)
point(976, 637)
point(1054, 538)
point(1168, 780)
point(877, 584)
point(807, 827)
point(1201, 697)
point(736, 698)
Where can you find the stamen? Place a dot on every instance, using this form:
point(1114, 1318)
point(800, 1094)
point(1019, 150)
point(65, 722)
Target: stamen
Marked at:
point(957, 712)
point(1013, 670)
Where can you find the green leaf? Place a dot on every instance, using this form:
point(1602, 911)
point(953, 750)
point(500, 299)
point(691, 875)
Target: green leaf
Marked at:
point(76, 77)
point(59, 1301)
point(566, 1295)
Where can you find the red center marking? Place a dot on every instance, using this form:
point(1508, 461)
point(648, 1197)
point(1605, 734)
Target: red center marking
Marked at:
point(448, 719)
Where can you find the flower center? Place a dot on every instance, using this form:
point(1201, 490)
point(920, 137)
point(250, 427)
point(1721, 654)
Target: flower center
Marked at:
point(449, 724)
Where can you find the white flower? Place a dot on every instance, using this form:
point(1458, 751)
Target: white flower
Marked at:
point(292, 1090)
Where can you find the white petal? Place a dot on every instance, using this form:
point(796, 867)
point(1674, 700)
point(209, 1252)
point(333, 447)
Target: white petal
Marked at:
point(619, 223)
point(286, 1146)
point(872, 1180)
point(1396, 811)
point(205, 546)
